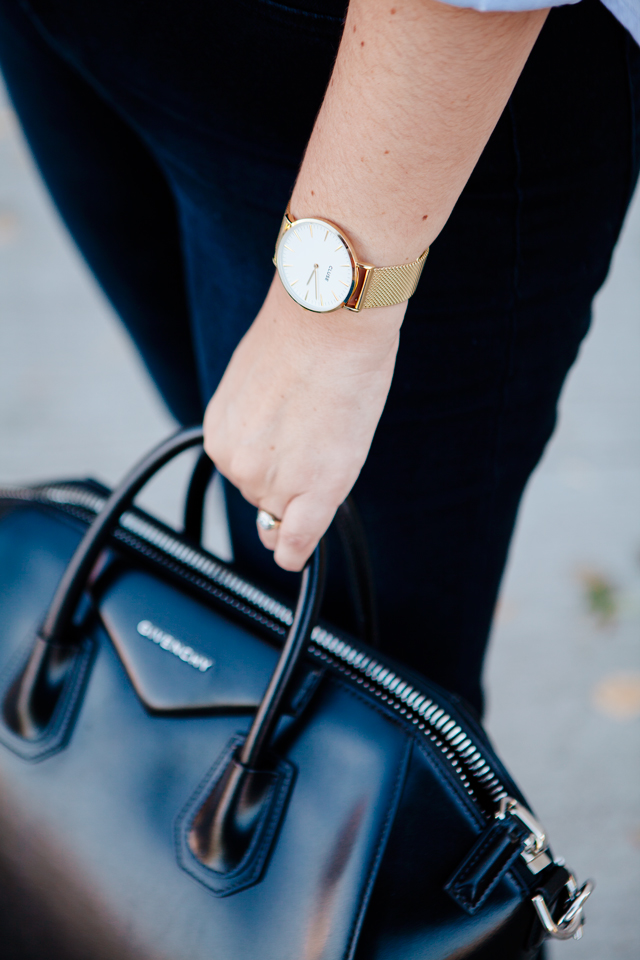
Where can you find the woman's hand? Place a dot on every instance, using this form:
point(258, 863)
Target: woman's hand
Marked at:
point(415, 93)
point(292, 420)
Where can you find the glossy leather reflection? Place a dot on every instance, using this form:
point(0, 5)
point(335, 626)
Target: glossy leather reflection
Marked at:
point(237, 815)
point(34, 696)
point(225, 825)
point(349, 866)
point(336, 864)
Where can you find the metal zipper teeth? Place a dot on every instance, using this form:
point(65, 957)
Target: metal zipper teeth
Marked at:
point(468, 762)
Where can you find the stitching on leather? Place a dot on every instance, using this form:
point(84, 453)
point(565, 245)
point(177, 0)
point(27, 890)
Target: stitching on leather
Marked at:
point(464, 871)
point(55, 738)
point(380, 848)
point(246, 869)
point(70, 701)
point(209, 777)
point(268, 825)
point(517, 881)
point(455, 888)
point(253, 862)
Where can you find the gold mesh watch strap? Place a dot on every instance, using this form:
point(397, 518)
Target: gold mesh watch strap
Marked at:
point(385, 286)
point(382, 286)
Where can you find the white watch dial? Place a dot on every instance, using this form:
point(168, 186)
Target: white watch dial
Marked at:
point(315, 265)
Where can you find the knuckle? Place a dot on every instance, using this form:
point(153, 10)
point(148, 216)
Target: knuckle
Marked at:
point(244, 472)
point(296, 542)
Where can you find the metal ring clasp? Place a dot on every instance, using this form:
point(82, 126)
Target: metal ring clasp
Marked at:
point(570, 923)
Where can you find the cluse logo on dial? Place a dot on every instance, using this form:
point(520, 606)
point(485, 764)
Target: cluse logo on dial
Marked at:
point(315, 265)
point(179, 649)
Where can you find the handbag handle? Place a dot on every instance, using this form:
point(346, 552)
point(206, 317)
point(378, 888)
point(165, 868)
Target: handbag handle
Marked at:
point(37, 693)
point(55, 627)
point(352, 538)
point(55, 630)
point(40, 705)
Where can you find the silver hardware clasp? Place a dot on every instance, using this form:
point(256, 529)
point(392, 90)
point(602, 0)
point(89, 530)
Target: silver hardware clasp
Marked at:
point(536, 842)
point(570, 923)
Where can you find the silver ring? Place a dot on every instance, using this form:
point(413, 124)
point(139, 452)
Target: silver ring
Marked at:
point(267, 521)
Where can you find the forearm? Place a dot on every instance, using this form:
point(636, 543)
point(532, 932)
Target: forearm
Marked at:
point(417, 89)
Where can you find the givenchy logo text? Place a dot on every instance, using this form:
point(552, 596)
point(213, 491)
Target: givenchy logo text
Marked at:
point(176, 647)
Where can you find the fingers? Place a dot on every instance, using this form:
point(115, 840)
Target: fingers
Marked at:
point(304, 521)
point(269, 537)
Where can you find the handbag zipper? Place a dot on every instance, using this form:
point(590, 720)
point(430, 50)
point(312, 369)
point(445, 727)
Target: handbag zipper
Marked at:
point(463, 755)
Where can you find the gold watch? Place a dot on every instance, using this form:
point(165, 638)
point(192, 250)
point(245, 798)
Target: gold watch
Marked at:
point(319, 270)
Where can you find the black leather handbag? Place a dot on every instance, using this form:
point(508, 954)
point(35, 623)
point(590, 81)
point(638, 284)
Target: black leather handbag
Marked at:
point(191, 771)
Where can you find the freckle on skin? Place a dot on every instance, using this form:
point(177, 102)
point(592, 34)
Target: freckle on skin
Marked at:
point(386, 151)
point(362, 43)
point(312, 194)
point(392, 11)
point(354, 29)
point(425, 216)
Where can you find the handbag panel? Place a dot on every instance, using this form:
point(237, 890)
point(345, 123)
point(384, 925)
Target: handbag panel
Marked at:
point(35, 548)
point(411, 916)
point(180, 654)
point(87, 836)
point(100, 819)
point(186, 656)
point(103, 814)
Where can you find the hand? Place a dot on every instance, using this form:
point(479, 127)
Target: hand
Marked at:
point(292, 420)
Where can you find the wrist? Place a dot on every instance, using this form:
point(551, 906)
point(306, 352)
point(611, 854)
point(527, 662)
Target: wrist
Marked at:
point(380, 241)
point(375, 327)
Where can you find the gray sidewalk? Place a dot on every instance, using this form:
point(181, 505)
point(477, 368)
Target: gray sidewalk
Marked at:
point(564, 668)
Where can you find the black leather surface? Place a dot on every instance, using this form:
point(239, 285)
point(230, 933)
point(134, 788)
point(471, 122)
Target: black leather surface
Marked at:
point(496, 849)
point(411, 917)
point(90, 841)
point(242, 663)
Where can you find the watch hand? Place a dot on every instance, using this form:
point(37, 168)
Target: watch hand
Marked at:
point(316, 276)
point(311, 277)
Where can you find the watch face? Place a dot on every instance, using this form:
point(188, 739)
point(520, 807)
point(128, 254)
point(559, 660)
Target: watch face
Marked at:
point(315, 265)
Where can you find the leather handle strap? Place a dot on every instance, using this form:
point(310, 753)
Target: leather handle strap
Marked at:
point(349, 528)
point(56, 631)
point(307, 607)
point(47, 688)
point(201, 477)
point(354, 545)
point(55, 628)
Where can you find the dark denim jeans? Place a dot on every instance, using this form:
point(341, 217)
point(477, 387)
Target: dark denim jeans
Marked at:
point(170, 145)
